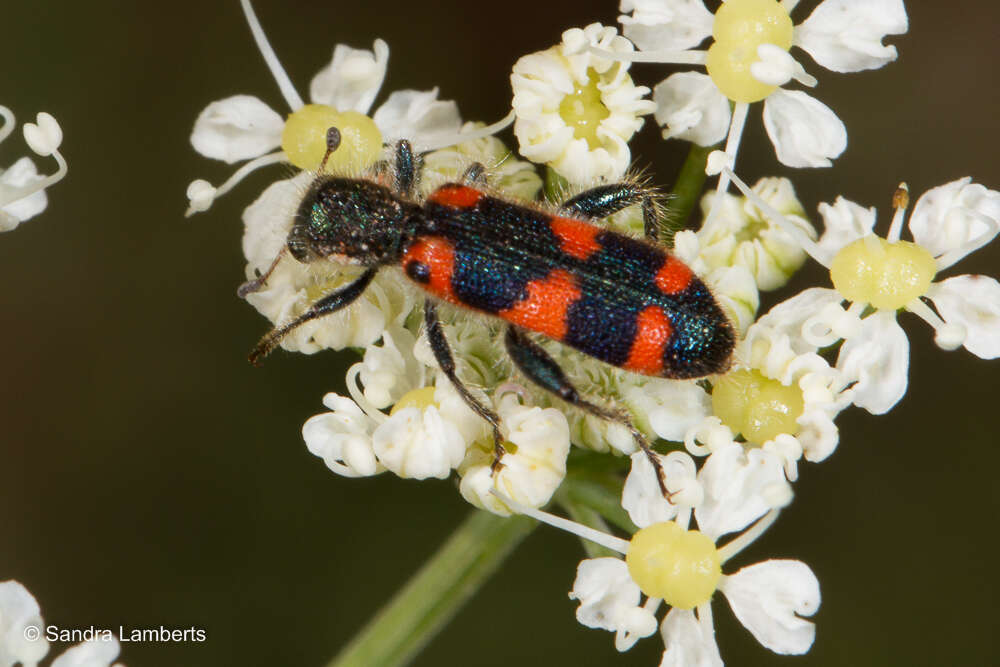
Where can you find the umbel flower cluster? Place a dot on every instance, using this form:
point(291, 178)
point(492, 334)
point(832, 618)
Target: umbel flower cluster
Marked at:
point(729, 445)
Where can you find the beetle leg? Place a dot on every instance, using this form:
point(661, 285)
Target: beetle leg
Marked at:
point(406, 168)
point(605, 200)
point(651, 218)
point(543, 370)
point(328, 304)
point(475, 174)
point(442, 352)
point(255, 285)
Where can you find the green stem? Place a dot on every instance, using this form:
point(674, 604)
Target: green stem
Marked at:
point(688, 187)
point(435, 594)
point(601, 498)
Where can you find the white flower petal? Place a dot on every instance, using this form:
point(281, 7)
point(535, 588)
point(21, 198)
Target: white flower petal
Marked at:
point(688, 642)
point(846, 35)
point(267, 221)
point(844, 222)
point(948, 216)
point(805, 132)
point(642, 497)
point(789, 316)
point(342, 438)
point(738, 488)
point(819, 435)
point(668, 408)
point(237, 128)
point(417, 115)
point(389, 370)
point(690, 107)
point(608, 596)
point(735, 290)
point(666, 24)
point(352, 79)
point(768, 598)
point(973, 302)
point(21, 176)
point(419, 444)
point(532, 473)
point(18, 611)
point(93, 653)
point(878, 358)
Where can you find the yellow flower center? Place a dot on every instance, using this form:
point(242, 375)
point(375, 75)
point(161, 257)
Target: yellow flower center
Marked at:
point(756, 406)
point(885, 275)
point(415, 398)
point(583, 110)
point(680, 566)
point(741, 26)
point(304, 139)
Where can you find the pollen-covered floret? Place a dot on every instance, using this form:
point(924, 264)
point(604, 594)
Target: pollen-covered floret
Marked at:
point(576, 111)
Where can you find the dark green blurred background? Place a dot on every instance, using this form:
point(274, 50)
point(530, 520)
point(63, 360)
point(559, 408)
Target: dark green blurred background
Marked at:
point(149, 475)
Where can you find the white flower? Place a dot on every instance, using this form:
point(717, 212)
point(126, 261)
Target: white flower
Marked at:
point(779, 399)
point(19, 611)
point(419, 444)
point(242, 127)
point(667, 408)
point(426, 434)
point(739, 234)
point(534, 464)
point(609, 599)
point(733, 488)
point(22, 635)
point(880, 276)
point(666, 562)
point(575, 111)
point(343, 438)
point(22, 188)
point(749, 61)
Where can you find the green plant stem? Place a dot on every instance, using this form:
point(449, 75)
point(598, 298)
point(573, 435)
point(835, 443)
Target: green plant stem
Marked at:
point(603, 499)
point(688, 187)
point(435, 594)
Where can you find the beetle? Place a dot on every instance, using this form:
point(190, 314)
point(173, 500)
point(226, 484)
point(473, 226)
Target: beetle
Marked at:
point(624, 301)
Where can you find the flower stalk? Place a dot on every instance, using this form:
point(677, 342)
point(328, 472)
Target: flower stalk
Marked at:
point(434, 595)
point(688, 188)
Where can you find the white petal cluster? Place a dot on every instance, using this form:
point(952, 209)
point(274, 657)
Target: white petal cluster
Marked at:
point(739, 234)
point(242, 128)
point(355, 439)
point(534, 465)
point(840, 35)
point(576, 111)
point(733, 490)
point(22, 188)
point(22, 635)
point(948, 222)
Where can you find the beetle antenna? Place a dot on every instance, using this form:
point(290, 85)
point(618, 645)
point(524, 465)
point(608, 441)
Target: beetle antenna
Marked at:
point(332, 143)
